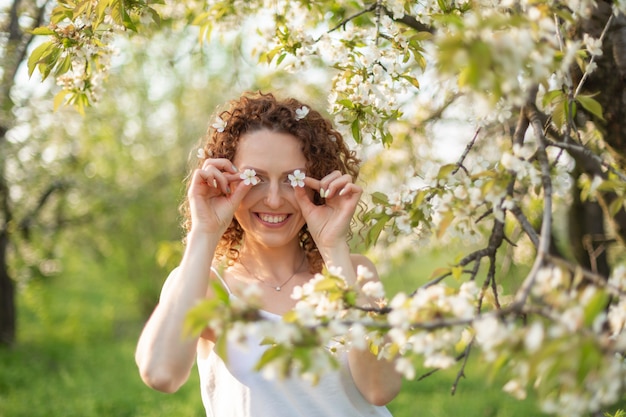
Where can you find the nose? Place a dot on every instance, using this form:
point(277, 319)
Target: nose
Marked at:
point(273, 195)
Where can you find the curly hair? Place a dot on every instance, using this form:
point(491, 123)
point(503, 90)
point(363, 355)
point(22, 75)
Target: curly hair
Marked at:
point(324, 150)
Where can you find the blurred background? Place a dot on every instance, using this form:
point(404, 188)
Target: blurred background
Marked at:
point(92, 203)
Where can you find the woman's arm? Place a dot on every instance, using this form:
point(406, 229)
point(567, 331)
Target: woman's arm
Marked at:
point(376, 379)
point(164, 354)
point(328, 224)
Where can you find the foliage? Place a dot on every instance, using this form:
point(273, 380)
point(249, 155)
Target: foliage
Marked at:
point(545, 139)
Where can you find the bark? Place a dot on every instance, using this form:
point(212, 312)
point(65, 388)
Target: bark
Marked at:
point(15, 54)
point(587, 219)
point(7, 296)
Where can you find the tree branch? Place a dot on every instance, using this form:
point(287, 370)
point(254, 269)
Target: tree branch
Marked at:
point(543, 247)
point(468, 147)
point(583, 151)
point(28, 220)
point(526, 226)
point(345, 21)
point(593, 57)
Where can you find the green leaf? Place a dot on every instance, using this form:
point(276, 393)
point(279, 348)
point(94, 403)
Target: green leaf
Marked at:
point(220, 293)
point(554, 96)
point(379, 198)
point(60, 99)
point(616, 205)
point(221, 347)
point(596, 305)
point(42, 31)
point(271, 354)
point(438, 272)
point(327, 284)
point(457, 272)
point(412, 80)
point(348, 104)
point(64, 66)
point(387, 138)
point(198, 317)
point(374, 232)
point(445, 170)
point(446, 221)
point(36, 56)
point(281, 57)
point(356, 130)
point(591, 105)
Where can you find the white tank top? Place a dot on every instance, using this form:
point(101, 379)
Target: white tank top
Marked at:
point(235, 389)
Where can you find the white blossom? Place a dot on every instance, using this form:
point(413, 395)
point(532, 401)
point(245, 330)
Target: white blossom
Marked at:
point(219, 124)
point(249, 177)
point(297, 178)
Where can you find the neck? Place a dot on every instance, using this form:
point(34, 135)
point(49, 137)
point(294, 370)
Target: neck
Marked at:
point(272, 263)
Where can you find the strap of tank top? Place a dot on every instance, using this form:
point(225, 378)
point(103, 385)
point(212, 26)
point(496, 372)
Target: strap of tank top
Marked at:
point(217, 274)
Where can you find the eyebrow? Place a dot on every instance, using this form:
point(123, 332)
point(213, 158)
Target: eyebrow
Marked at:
point(260, 171)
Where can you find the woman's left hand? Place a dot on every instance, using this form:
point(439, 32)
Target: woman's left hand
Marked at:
point(329, 223)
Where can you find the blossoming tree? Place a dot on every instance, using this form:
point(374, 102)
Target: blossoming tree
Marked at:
point(541, 84)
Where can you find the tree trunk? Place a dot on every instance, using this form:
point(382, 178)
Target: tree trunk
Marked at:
point(587, 219)
point(7, 295)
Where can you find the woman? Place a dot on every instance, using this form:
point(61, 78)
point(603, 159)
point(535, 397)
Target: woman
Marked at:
point(271, 201)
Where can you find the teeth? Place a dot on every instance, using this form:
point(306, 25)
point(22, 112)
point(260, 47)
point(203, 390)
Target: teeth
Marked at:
point(272, 219)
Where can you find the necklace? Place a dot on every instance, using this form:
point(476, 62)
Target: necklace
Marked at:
point(276, 287)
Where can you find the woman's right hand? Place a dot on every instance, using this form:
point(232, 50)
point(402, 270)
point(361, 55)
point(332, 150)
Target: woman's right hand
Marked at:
point(214, 194)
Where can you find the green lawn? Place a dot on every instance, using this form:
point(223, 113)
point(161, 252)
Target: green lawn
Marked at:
point(75, 358)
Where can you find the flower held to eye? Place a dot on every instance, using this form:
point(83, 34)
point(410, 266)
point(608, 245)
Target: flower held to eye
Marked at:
point(297, 178)
point(249, 177)
point(302, 112)
point(219, 124)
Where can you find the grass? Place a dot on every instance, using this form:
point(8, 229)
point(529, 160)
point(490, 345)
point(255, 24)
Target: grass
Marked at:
point(77, 336)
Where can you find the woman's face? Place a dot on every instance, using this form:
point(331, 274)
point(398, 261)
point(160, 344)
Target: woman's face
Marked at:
point(269, 213)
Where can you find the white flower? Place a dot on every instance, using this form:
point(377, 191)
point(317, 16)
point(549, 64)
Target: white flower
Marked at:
point(302, 112)
point(374, 289)
point(534, 337)
point(336, 271)
point(358, 336)
point(201, 153)
point(297, 178)
point(219, 124)
point(363, 272)
point(405, 367)
point(594, 46)
point(515, 388)
point(249, 177)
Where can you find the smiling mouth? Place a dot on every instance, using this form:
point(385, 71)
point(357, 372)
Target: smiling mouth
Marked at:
point(273, 218)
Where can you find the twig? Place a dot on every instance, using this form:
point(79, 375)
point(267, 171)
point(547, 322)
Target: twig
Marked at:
point(461, 373)
point(586, 152)
point(593, 58)
point(25, 224)
point(354, 16)
point(468, 147)
point(590, 276)
point(543, 246)
point(526, 226)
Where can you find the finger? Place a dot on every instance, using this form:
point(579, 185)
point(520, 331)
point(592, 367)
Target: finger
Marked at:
point(222, 164)
point(328, 179)
point(336, 184)
point(239, 191)
point(350, 189)
point(312, 183)
point(204, 177)
point(215, 178)
point(304, 200)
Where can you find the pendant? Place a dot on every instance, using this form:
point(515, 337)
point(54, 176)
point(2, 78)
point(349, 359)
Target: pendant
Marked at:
point(277, 288)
